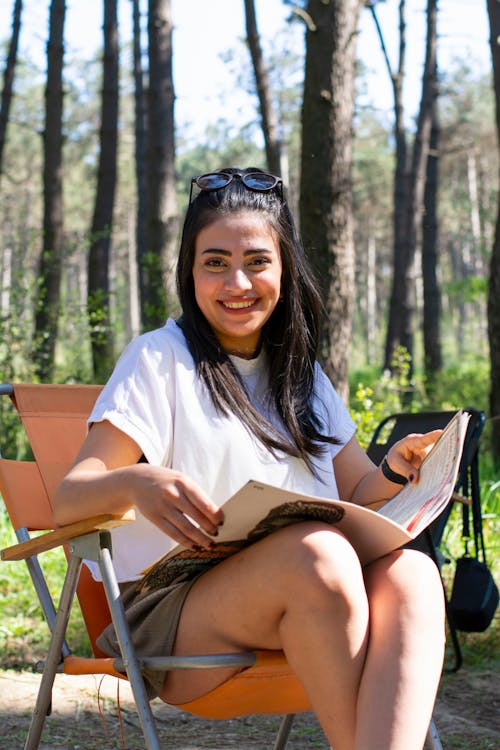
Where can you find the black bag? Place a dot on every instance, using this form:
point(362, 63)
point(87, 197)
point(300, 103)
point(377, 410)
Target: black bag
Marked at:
point(474, 596)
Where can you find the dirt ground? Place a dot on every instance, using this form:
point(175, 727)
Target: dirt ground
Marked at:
point(467, 716)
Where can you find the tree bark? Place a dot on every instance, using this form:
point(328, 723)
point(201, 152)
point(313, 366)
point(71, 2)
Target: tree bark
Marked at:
point(400, 178)
point(268, 117)
point(326, 190)
point(140, 164)
point(433, 360)
point(494, 275)
point(51, 258)
point(162, 199)
point(8, 76)
point(403, 282)
point(98, 300)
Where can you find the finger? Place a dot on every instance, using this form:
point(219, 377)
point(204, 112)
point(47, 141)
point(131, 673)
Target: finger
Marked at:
point(180, 528)
point(207, 513)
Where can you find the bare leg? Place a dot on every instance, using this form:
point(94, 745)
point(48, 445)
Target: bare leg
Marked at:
point(300, 589)
point(371, 674)
point(405, 652)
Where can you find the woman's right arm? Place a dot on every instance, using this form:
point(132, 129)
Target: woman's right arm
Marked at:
point(106, 477)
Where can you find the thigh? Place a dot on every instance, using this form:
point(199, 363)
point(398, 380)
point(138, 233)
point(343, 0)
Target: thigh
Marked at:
point(238, 605)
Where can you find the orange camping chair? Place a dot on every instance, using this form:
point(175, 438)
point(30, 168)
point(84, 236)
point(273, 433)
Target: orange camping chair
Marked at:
point(54, 419)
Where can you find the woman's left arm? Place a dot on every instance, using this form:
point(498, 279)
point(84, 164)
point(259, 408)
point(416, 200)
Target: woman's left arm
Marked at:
point(360, 481)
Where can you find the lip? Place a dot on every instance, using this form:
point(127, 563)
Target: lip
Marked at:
point(238, 304)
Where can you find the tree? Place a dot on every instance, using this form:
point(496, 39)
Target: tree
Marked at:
point(51, 257)
point(140, 129)
point(494, 277)
point(403, 292)
point(267, 114)
point(98, 299)
point(433, 360)
point(162, 212)
point(396, 77)
point(8, 76)
point(325, 190)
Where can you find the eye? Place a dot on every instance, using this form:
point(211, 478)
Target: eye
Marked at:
point(215, 264)
point(259, 261)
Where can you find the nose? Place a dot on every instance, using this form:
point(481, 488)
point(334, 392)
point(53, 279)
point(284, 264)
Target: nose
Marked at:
point(238, 280)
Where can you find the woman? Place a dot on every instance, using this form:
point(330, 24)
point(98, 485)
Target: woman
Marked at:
point(229, 392)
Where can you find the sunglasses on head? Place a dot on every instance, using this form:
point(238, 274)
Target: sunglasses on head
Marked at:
point(260, 182)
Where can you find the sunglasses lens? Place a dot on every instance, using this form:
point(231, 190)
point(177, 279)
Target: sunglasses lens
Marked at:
point(259, 181)
point(213, 181)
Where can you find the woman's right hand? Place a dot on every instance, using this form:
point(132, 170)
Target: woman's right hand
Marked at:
point(106, 477)
point(174, 503)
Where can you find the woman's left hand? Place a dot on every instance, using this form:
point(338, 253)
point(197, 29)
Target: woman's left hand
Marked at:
point(405, 457)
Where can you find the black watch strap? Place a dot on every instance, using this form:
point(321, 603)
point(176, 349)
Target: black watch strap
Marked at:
point(391, 475)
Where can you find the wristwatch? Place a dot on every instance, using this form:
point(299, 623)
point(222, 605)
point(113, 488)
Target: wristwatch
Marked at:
point(391, 475)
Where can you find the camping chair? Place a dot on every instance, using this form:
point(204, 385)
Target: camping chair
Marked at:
point(396, 426)
point(54, 419)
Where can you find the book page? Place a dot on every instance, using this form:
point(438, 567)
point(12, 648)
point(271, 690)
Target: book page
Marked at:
point(257, 510)
point(416, 505)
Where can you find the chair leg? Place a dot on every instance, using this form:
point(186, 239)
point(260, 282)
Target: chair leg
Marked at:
point(44, 696)
point(284, 732)
point(432, 741)
point(144, 711)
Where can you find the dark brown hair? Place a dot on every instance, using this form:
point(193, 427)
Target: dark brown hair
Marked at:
point(290, 336)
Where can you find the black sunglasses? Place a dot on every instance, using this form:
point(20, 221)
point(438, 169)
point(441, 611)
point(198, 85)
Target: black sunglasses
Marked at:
point(261, 182)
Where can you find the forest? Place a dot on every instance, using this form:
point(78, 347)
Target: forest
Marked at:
point(399, 214)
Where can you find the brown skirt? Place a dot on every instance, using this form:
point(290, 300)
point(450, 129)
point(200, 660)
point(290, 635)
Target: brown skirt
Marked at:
point(153, 618)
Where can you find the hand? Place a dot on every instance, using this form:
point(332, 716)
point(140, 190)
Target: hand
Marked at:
point(175, 504)
point(405, 457)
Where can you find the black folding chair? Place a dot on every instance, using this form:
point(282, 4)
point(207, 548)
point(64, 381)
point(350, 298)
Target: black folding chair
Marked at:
point(396, 426)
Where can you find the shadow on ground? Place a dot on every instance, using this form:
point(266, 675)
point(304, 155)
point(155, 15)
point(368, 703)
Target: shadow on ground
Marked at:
point(86, 716)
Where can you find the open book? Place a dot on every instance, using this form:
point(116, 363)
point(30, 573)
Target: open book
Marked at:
point(258, 509)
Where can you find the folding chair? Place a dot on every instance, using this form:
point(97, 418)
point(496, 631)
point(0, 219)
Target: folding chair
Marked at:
point(54, 419)
point(396, 426)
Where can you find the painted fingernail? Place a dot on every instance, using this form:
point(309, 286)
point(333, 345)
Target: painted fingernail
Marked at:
point(411, 477)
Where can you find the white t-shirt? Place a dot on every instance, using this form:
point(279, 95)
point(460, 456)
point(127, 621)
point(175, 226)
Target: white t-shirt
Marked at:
point(156, 397)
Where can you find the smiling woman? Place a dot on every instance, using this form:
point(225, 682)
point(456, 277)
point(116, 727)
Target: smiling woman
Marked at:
point(237, 279)
point(230, 392)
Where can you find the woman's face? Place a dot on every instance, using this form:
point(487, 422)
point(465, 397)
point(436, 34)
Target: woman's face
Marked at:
point(237, 279)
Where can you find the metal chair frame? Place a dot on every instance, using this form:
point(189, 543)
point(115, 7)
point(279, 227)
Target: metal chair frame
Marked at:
point(91, 540)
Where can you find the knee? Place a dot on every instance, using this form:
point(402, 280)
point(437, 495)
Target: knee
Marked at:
point(321, 563)
point(410, 581)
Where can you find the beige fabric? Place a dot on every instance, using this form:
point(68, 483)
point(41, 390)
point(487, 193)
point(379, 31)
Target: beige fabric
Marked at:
point(153, 619)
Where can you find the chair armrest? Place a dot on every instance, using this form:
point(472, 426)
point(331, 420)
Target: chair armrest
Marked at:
point(62, 535)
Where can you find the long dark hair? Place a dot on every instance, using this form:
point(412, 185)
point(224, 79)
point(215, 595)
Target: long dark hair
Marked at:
point(290, 336)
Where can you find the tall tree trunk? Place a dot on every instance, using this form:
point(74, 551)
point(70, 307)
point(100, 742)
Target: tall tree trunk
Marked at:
point(433, 360)
point(162, 199)
point(326, 194)
point(403, 292)
point(50, 262)
point(494, 278)
point(400, 177)
point(140, 163)
point(267, 114)
point(98, 301)
point(8, 76)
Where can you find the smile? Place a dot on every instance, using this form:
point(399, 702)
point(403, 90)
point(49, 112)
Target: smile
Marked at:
point(238, 305)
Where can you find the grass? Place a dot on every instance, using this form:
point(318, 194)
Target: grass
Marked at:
point(24, 635)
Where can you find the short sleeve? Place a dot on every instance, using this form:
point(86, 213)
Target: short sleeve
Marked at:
point(137, 397)
point(332, 411)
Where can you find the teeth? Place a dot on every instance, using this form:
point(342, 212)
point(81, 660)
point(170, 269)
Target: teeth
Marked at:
point(238, 305)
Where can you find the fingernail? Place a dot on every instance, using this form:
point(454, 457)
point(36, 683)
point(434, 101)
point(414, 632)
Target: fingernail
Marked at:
point(411, 477)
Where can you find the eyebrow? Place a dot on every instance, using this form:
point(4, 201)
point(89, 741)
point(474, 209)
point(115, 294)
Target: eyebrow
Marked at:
point(228, 253)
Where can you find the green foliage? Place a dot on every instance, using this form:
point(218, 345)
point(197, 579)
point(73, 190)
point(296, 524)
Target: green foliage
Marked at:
point(24, 635)
point(387, 394)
